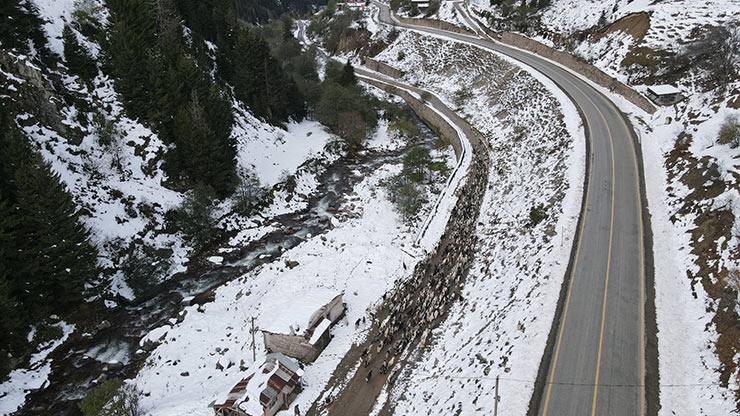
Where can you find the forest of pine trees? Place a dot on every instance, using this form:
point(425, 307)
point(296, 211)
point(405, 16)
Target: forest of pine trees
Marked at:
point(166, 81)
point(47, 265)
point(180, 82)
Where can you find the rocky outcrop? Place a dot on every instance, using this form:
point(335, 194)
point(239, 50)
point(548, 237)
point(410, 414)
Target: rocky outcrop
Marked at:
point(31, 91)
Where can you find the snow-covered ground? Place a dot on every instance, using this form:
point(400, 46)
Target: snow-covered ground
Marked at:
point(501, 326)
point(121, 185)
point(121, 188)
point(686, 338)
point(361, 258)
point(13, 391)
point(271, 152)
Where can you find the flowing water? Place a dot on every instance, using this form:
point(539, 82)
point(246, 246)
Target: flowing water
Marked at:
point(114, 350)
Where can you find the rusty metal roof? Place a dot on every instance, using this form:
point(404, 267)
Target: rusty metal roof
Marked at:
point(278, 374)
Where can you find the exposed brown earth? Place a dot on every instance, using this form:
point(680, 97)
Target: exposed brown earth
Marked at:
point(635, 25)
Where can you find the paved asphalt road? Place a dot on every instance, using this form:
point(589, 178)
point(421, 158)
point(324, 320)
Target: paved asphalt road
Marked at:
point(598, 364)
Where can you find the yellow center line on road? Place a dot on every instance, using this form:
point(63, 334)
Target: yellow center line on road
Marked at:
point(573, 274)
point(608, 264)
point(606, 285)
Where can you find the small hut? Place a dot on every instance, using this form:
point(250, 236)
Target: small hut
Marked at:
point(264, 391)
point(421, 5)
point(355, 4)
point(664, 94)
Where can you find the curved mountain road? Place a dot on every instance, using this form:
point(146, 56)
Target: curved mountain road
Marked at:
point(595, 363)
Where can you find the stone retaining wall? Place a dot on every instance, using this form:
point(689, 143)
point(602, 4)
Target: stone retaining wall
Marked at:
point(439, 125)
point(383, 68)
point(436, 24)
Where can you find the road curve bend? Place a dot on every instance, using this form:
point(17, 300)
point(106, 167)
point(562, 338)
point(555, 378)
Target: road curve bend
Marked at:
point(595, 362)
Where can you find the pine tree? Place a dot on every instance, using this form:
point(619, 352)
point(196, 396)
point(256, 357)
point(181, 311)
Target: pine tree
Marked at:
point(12, 316)
point(19, 24)
point(249, 59)
point(348, 78)
point(196, 216)
point(78, 58)
point(63, 259)
point(128, 50)
point(260, 82)
point(204, 150)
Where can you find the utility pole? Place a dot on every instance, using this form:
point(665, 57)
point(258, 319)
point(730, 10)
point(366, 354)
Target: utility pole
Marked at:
point(495, 400)
point(254, 346)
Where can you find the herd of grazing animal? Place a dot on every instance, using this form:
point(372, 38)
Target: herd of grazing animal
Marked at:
point(415, 306)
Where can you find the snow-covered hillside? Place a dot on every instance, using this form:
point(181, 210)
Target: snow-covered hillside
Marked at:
point(361, 258)
point(112, 166)
point(537, 151)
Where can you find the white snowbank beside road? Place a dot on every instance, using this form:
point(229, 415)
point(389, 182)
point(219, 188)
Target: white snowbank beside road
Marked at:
point(687, 363)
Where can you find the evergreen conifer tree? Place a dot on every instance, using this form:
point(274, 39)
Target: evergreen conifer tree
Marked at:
point(12, 317)
point(78, 58)
point(19, 24)
point(204, 150)
point(348, 78)
point(260, 82)
point(59, 260)
point(47, 259)
point(128, 51)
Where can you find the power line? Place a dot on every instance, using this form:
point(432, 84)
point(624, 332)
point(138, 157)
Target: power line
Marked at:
point(563, 383)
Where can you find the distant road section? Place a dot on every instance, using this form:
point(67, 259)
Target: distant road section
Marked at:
point(596, 363)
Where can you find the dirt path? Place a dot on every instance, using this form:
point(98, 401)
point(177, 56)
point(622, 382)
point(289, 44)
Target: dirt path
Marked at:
point(402, 323)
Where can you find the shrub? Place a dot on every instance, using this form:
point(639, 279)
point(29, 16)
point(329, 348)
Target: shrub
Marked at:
point(404, 189)
point(143, 268)
point(196, 216)
point(111, 398)
point(46, 332)
point(729, 132)
point(250, 195)
point(462, 95)
point(86, 17)
point(537, 214)
point(351, 127)
point(404, 127)
point(107, 130)
point(416, 164)
point(405, 195)
point(716, 50)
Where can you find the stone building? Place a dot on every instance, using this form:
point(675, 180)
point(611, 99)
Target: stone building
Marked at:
point(306, 340)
